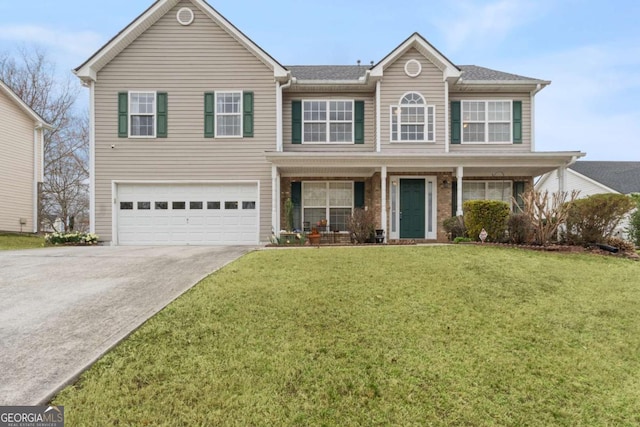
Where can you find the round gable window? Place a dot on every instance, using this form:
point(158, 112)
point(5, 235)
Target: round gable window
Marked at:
point(413, 68)
point(185, 16)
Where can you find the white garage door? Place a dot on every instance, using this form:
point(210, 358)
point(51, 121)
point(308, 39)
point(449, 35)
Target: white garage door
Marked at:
point(189, 214)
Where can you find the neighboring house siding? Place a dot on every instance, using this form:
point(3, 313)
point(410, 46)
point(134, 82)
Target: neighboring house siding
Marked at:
point(491, 96)
point(395, 84)
point(369, 121)
point(185, 62)
point(16, 172)
point(572, 182)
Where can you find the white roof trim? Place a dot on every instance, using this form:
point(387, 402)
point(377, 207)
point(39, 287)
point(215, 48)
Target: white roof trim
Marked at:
point(449, 69)
point(39, 121)
point(88, 71)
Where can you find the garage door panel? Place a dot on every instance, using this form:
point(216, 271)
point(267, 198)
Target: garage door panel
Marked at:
point(194, 214)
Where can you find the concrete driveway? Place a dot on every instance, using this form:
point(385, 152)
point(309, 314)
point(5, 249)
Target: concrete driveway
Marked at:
point(63, 308)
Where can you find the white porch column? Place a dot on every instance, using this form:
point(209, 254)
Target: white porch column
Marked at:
point(459, 175)
point(383, 204)
point(561, 178)
point(275, 201)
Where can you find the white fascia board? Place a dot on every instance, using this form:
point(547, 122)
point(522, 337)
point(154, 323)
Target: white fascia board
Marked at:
point(450, 69)
point(89, 70)
point(38, 121)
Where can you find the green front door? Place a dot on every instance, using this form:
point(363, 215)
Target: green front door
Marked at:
point(412, 204)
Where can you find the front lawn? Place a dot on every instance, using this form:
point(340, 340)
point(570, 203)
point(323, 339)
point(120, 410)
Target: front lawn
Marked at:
point(9, 241)
point(453, 335)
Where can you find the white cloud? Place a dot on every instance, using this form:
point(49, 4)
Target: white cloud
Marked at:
point(75, 44)
point(474, 25)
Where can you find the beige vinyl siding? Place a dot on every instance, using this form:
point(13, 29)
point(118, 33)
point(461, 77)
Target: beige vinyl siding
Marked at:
point(526, 122)
point(185, 62)
point(16, 171)
point(395, 84)
point(369, 121)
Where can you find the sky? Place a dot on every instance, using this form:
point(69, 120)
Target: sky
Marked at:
point(590, 50)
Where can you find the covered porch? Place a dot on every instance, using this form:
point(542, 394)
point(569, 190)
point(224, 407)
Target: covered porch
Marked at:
point(409, 194)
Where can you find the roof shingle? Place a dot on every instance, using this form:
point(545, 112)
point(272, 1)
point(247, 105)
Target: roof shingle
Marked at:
point(623, 177)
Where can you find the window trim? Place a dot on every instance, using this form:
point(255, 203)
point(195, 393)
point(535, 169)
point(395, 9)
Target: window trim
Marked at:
point(216, 114)
point(327, 205)
point(154, 115)
point(328, 121)
point(427, 107)
point(486, 122)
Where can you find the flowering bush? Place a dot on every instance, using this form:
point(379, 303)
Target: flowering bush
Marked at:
point(75, 238)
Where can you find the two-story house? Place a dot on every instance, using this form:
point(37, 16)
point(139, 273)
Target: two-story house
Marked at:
point(21, 142)
point(199, 136)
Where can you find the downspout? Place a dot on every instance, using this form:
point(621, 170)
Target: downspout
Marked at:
point(92, 158)
point(378, 145)
point(279, 133)
point(446, 117)
point(533, 116)
point(36, 175)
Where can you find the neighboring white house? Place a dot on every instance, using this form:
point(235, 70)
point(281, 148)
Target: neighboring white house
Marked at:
point(596, 177)
point(21, 142)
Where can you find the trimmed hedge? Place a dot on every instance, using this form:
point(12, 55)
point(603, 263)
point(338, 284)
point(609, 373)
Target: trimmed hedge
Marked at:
point(492, 215)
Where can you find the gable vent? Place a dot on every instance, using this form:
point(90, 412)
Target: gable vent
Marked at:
point(412, 68)
point(185, 16)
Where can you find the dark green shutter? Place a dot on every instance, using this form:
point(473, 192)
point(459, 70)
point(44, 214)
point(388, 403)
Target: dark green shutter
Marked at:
point(209, 114)
point(456, 123)
point(358, 194)
point(296, 199)
point(517, 122)
point(358, 133)
point(123, 118)
point(247, 119)
point(518, 189)
point(161, 114)
point(454, 198)
point(296, 122)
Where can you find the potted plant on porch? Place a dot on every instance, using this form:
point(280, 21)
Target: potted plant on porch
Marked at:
point(314, 236)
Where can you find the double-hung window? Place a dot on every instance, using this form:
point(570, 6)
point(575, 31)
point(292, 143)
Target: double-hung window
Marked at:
point(487, 190)
point(142, 114)
point(228, 118)
point(486, 122)
point(412, 120)
point(327, 121)
point(331, 201)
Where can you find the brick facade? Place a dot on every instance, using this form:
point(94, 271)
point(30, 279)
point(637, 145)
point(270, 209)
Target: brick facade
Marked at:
point(373, 195)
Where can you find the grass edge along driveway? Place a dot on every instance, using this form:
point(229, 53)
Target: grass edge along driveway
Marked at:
point(12, 241)
point(455, 335)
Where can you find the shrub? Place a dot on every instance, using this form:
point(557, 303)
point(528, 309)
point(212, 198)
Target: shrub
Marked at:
point(594, 218)
point(461, 239)
point(491, 215)
point(74, 238)
point(546, 212)
point(520, 229)
point(634, 221)
point(454, 227)
point(362, 225)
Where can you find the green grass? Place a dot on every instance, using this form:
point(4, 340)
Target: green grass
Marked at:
point(9, 241)
point(455, 335)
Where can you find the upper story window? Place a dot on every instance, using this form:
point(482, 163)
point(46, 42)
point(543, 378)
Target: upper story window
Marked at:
point(142, 114)
point(327, 121)
point(228, 114)
point(412, 120)
point(486, 122)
